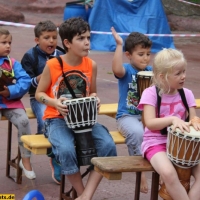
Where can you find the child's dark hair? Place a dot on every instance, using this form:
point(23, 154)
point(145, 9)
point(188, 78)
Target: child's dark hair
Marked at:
point(44, 26)
point(135, 39)
point(72, 27)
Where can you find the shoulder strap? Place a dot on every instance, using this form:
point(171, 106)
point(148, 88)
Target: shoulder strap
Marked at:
point(158, 101)
point(164, 130)
point(183, 98)
point(65, 79)
point(60, 49)
point(182, 94)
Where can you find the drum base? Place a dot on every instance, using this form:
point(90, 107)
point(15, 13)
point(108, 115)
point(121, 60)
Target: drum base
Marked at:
point(85, 148)
point(163, 193)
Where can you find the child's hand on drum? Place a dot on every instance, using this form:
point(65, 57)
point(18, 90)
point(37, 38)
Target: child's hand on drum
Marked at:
point(195, 122)
point(117, 37)
point(62, 108)
point(182, 125)
point(98, 100)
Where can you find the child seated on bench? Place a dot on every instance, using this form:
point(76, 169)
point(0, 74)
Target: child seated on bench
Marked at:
point(81, 72)
point(34, 61)
point(169, 69)
point(129, 124)
point(14, 83)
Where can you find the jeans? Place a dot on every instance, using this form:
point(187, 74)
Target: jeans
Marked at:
point(132, 129)
point(38, 110)
point(62, 140)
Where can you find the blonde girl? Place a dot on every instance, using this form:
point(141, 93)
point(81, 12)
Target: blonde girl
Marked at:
point(169, 68)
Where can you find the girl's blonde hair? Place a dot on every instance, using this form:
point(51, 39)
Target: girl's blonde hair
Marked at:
point(163, 63)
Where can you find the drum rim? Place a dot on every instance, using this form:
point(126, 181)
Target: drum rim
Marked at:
point(83, 99)
point(145, 73)
point(185, 134)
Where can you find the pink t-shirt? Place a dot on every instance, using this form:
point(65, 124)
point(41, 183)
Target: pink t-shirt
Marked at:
point(171, 105)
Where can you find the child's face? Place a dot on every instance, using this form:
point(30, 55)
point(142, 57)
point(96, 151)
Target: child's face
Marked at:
point(5, 44)
point(80, 44)
point(176, 78)
point(47, 41)
point(140, 57)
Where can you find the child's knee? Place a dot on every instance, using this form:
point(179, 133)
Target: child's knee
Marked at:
point(169, 175)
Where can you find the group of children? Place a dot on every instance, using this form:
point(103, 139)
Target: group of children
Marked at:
point(42, 75)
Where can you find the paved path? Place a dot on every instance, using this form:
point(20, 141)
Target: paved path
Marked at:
point(23, 39)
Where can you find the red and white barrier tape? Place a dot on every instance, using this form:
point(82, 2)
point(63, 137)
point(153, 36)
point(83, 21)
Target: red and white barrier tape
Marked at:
point(16, 24)
point(189, 2)
point(104, 33)
point(156, 35)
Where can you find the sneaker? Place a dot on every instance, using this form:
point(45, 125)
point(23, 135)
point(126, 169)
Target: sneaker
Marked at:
point(56, 170)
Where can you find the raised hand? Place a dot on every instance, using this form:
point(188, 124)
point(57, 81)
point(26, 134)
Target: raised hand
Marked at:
point(117, 37)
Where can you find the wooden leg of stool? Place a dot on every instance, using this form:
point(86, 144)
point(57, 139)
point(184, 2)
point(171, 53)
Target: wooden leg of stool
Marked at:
point(13, 162)
point(137, 185)
point(19, 170)
point(154, 186)
point(9, 140)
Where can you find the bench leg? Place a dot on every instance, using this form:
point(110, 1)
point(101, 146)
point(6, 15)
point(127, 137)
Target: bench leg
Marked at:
point(137, 185)
point(154, 186)
point(15, 162)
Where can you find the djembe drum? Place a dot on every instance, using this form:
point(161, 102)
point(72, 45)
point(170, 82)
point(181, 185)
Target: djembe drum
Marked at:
point(183, 149)
point(144, 80)
point(81, 117)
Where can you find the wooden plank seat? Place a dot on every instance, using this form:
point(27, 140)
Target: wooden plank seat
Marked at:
point(113, 167)
point(38, 144)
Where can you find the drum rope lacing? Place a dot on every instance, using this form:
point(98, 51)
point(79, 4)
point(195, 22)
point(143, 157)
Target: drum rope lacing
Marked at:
point(183, 145)
point(84, 107)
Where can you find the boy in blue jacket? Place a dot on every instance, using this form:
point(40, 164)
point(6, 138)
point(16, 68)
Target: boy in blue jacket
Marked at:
point(33, 62)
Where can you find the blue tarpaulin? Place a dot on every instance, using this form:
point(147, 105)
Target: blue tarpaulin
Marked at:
point(144, 16)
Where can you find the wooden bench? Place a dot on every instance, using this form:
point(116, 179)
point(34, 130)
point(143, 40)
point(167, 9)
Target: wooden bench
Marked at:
point(106, 109)
point(113, 167)
point(38, 145)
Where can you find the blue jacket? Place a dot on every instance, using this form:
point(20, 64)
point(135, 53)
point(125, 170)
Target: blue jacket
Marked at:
point(34, 61)
point(18, 87)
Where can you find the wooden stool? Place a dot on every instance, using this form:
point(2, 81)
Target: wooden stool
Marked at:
point(13, 162)
point(112, 168)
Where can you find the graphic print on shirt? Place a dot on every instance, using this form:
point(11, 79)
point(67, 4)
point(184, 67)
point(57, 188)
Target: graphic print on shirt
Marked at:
point(132, 97)
point(78, 82)
point(172, 109)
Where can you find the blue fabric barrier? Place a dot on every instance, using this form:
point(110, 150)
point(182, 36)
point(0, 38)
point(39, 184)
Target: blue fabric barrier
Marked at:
point(126, 16)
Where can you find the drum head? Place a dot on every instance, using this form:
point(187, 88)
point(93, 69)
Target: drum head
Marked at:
point(145, 73)
point(192, 133)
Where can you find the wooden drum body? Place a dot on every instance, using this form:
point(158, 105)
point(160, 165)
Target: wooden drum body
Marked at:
point(144, 80)
point(183, 149)
point(81, 117)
